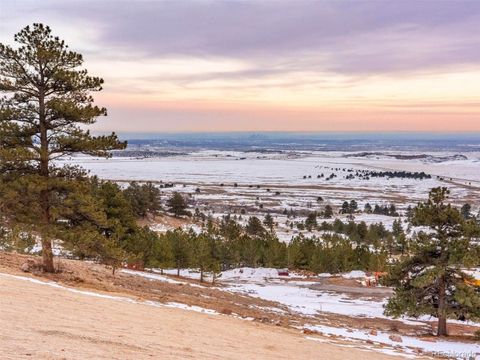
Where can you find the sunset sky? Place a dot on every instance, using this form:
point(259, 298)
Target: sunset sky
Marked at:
point(272, 65)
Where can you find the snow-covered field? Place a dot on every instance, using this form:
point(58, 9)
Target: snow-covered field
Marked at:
point(292, 290)
point(228, 182)
point(209, 167)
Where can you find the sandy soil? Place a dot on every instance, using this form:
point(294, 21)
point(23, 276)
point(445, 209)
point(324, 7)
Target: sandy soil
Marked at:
point(42, 322)
point(95, 277)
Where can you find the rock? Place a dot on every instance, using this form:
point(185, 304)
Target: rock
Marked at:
point(25, 267)
point(373, 332)
point(396, 338)
point(264, 320)
point(226, 311)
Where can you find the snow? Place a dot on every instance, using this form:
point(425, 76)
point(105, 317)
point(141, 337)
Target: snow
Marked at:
point(307, 301)
point(57, 248)
point(260, 273)
point(475, 273)
point(157, 277)
point(215, 167)
point(355, 274)
point(299, 297)
point(265, 283)
point(324, 275)
point(238, 274)
point(190, 308)
point(446, 348)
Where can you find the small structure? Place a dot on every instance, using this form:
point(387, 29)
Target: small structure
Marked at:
point(283, 272)
point(134, 265)
point(373, 279)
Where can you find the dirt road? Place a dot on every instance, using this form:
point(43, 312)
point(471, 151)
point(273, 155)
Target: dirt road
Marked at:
point(43, 322)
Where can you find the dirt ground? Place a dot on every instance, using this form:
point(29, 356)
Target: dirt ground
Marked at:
point(97, 277)
point(44, 322)
point(21, 298)
point(351, 288)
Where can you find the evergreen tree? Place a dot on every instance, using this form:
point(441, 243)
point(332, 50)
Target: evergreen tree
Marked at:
point(144, 199)
point(392, 210)
point(399, 236)
point(42, 118)
point(466, 211)
point(353, 206)
point(345, 208)
point(203, 254)
point(254, 227)
point(163, 255)
point(311, 221)
point(367, 208)
point(177, 204)
point(268, 222)
point(112, 254)
point(328, 212)
point(362, 231)
point(431, 281)
point(181, 246)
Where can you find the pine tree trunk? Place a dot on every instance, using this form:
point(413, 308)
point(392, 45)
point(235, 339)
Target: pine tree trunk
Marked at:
point(442, 326)
point(45, 195)
point(47, 255)
point(201, 275)
point(47, 252)
point(441, 313)
point(178, 272)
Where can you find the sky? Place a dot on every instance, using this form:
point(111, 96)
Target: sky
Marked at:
point(173, 66)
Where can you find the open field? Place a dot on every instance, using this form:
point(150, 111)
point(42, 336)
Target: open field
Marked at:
point(232, 182)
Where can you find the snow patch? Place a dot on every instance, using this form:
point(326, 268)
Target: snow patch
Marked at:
point(451, 349)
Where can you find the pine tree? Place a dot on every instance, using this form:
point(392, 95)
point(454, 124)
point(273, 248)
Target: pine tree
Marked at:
point(353, 206)
point(431, 281)
point(177, 204)
point(466, 211)
point(367, 208)
point(254, 226)
point(268, 222)
point(399, 236)
point(345, 208)
point(311, 221)
point(144, 199)
point(202, 254)
point(182, 249)
point(42, 118)
point(163, 255)
point(328, 212)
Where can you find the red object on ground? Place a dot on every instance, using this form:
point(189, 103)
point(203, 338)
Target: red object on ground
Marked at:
point(283, 272)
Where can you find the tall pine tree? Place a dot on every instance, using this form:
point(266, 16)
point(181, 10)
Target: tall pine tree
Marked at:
point(46, 105)
point(432, 281)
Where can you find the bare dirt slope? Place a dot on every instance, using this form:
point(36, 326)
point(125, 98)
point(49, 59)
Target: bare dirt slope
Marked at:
point(44, 322)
